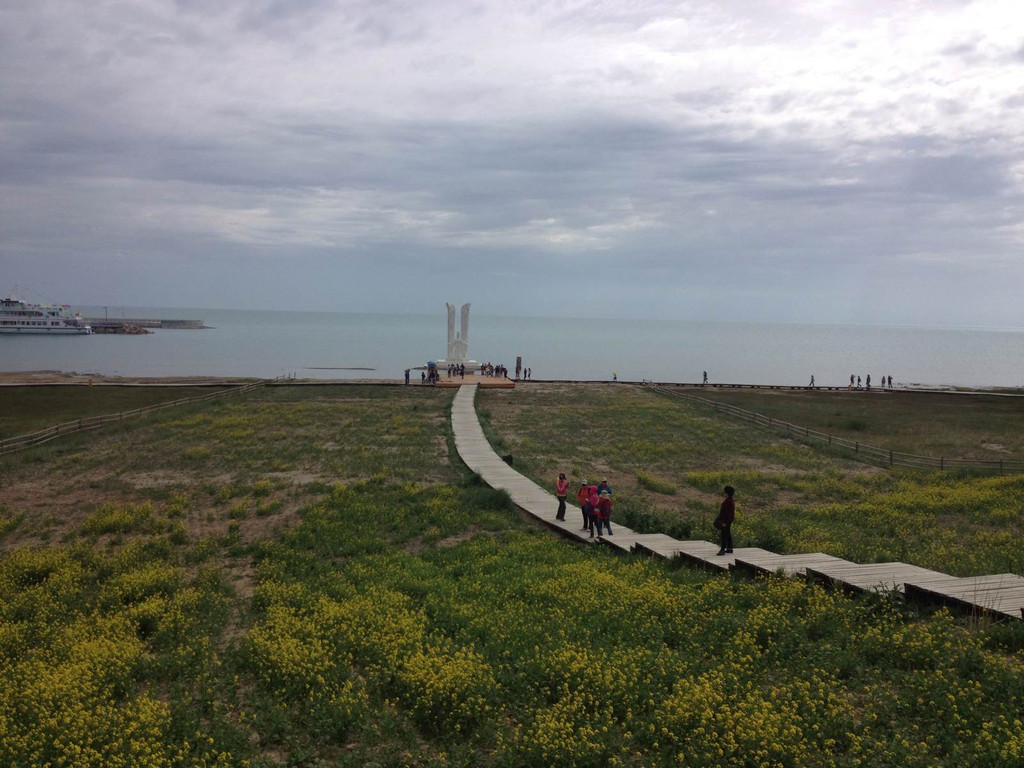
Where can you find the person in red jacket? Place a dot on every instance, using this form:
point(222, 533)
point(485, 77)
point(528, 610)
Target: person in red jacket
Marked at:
point(603, 513)
point(581, 497)
point(724, 520)
point(592, 499)
point(561, 491)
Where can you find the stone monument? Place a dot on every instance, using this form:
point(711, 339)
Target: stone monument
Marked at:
point(458, 342)
point(458, 350)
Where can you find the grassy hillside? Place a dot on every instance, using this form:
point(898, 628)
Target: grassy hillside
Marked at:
point(308, 577)
point(973, 426)
point(29, 409)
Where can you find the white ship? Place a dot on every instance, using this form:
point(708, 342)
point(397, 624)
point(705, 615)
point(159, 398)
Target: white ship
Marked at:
point(18, 316)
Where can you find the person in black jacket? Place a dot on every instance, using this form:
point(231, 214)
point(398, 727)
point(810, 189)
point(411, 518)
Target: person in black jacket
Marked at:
point(724, 520)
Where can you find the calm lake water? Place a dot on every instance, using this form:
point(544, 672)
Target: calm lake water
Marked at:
point(251, 343)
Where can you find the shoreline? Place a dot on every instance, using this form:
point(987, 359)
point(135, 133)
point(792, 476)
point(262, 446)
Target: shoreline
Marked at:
point(73, 378)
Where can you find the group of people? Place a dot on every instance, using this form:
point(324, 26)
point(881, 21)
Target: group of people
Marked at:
point(596, 504)
point(886, 382)
point(494, 370)
point(457, 370)
point(431, 375)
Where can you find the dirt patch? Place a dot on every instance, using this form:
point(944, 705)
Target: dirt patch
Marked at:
point(300, 477)
point(999, 447)
point(418, 546)
point(156, 479)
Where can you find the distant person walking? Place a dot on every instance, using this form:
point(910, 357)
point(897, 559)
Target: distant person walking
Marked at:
point(406, 375)
point(723, 522)
point(705, 381)
point(423, 377)
point(890, 382)
point(812, 380)
point(851, 381)
point(561, 491)
point(603, 513)
point(858, 382)
point(867, 381)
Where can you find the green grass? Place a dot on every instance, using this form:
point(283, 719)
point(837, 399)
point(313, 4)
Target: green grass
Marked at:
point(29, 409)
point(792, 497)
point(387, 609)
point(956, 426)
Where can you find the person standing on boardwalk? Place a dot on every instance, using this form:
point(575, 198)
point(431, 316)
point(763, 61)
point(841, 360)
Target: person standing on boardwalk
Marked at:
point(867, 382)
point(603, 513)
point(581, 497)
point(406, 375)
point(561, 491)
point(724, 520)
point(592, 499)
point(705, 378)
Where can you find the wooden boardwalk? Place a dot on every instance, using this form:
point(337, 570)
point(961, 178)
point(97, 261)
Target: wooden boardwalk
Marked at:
point(1001, 595)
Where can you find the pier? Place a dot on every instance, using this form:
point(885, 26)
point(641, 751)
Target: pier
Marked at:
point(119, 324)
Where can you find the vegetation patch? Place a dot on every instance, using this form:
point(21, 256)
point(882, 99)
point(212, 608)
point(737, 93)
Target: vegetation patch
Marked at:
point(649, 482)
point(407, 616)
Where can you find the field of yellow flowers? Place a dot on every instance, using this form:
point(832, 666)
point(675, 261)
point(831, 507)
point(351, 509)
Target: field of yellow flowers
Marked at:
point(407, 616)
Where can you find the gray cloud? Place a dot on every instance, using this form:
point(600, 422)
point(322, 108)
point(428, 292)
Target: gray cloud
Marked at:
point(705, 160)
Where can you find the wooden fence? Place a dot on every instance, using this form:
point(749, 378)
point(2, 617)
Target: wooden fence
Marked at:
point(862, 451)
point(20, 442)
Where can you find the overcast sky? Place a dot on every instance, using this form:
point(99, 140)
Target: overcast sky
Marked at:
point(815, 161)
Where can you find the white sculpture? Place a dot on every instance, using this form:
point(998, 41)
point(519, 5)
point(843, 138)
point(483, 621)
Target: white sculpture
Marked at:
point(458, 343)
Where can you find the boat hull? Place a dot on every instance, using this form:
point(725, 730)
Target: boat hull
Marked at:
point(56, 331)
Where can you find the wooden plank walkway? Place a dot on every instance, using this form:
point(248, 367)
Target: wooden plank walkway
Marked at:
point(999, 595)
point(870, 577)
point(1002, 593)
point(791, 565)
